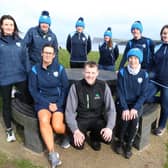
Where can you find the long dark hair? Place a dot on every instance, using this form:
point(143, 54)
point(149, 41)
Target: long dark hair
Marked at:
point(164, 27)
point(16, 30)
point(110, 43)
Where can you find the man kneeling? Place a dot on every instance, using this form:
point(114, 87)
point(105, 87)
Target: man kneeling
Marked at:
point(90, 107)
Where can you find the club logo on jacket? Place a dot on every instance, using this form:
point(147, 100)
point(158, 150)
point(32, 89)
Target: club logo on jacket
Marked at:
point(144, 45)
point(140, 80)
point(18, 44)
point(49, 38)
point(55, 73)
point(97, 96)
point(83, 38)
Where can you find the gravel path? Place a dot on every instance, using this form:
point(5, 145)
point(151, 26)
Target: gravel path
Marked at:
point(153, 156)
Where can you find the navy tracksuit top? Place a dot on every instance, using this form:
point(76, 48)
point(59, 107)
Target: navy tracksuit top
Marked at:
point(14, 62)
point(132, 89)
point(48, 85)
point(35, 39)
point(147, 47)
point(78, 45)
point(108, 55)
point(161, 64)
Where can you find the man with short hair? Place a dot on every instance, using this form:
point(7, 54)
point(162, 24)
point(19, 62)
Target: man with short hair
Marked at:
point(90, 107)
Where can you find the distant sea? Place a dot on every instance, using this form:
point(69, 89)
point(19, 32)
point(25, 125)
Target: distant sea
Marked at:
point(95, 47)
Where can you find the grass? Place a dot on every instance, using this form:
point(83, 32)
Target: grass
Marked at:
point(166, 164)
point(6, 162)
point(64, 58)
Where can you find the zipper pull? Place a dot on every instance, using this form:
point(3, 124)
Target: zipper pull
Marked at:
point(87, 99)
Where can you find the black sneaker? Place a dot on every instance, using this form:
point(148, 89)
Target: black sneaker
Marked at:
point(96, 145)
point(118, 148)
point(128, 152)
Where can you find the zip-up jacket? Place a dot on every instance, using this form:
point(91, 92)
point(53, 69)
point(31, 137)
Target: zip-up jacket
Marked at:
point(78, 45)
point(35, 39)
point(161, 64)
point(147, 47)
point(108, 55)
point(14, 62)
point(132, 89)
point(48, 85)
point(89, 101)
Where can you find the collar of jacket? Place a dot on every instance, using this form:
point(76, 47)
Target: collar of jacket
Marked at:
point(41, 33)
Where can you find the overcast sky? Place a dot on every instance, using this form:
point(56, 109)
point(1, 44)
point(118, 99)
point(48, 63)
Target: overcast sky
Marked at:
point(97, 14)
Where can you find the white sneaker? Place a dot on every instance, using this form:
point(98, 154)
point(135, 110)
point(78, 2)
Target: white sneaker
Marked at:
point(159, 131)
point(13, 93)
point(10, 135)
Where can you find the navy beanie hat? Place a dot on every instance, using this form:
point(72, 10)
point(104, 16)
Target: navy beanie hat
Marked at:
point(108, 32)
point(45, 18)
point(80, 22)
point(135, 52)
point(137, 25)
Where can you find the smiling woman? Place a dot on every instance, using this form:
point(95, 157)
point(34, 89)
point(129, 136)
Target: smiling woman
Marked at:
point(48, 55)
point(48, 85)
point(12, 52)
point(37, 36)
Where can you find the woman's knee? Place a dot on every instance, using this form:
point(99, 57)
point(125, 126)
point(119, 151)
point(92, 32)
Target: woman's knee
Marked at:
point(44, 117)
point(59, 128)
point(58, 123)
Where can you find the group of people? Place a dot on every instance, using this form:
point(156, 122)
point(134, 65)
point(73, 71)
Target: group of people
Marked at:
point(86, 108)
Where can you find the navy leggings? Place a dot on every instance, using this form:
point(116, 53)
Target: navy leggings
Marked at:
point(6, 99)
point(164, 107)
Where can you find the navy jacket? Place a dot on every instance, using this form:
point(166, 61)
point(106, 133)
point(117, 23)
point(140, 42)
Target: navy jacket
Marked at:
point(78, 45)
point(144, 44)
point(132, 89)
point(161, 64)
point(35, 39)
point(14, 63)
point(48, 85)
point(108, 56)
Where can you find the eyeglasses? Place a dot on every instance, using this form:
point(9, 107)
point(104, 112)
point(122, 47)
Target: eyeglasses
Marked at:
point(48, 53)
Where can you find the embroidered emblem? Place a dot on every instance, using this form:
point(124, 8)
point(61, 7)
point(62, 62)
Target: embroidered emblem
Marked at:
point(144, 45)
point(49, 38)
point(83, 38)
point(18, 44)
point(55, 73)
point(140, 80)
point(97, 96)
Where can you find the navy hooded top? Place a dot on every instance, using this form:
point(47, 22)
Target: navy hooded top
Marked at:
point(14, 62)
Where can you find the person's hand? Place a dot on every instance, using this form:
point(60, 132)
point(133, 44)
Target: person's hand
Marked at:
point(106, 133)
point(53, 107)
point(133, 114)
point(79, 138)
point(126, 115)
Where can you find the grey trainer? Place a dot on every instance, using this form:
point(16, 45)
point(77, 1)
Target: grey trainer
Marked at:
point(54, 159)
